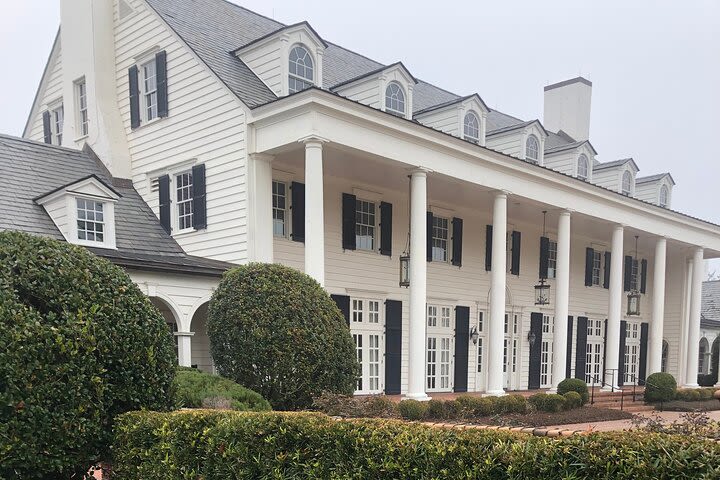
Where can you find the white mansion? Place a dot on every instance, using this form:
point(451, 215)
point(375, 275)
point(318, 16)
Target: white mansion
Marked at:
point(469, 250)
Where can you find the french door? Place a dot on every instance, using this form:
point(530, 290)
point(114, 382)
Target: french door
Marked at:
point(367, 329)
point(481, 348)
point(594, 352)
point(632, 353)
point(440, 344)
point(510, 350)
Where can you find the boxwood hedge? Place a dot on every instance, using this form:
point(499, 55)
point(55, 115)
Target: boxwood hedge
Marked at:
point(219, 445)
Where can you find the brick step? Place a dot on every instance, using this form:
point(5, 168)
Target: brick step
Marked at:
point(634, 408)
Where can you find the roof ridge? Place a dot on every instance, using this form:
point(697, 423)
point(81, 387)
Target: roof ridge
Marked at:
point(253, 12)
point(39, 143)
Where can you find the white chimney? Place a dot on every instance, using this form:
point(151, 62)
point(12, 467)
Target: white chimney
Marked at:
point(87, 40)
point(567, 108)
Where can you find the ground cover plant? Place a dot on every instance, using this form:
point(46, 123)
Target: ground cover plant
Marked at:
point(196, 389)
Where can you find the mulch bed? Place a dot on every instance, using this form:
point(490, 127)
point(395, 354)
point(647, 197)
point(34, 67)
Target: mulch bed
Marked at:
point(542, 419)
point(683, 406)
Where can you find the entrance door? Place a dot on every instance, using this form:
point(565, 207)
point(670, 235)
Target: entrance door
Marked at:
point(510, 350)
point(546, 352)
point(366, 327)
point(440, 344)
point(480, 384)
point(632, 353)
point(594, 352)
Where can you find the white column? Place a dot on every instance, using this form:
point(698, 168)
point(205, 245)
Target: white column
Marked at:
point(612, 342)
point(314, 209)
point(562, 297)
point(693, 347)
point(418, 285)
point(497, 297)
point(655, 335)
point(184, 348)
point(687, 295)
point(261, 207)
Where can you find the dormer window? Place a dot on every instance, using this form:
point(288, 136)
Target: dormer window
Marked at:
point(663, 199)
point(626, 183)
point(471, 127)
point(90, 220)
point(582, 167)
point(301, 71)
point(532, 148)
point(395, 99)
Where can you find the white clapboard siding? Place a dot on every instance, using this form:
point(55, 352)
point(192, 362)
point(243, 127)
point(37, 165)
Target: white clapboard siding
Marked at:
point(366, 92)
point(510, 144)
point(50, 91)
point(446, 120)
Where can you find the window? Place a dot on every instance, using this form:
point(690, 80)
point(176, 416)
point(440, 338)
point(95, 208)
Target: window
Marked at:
point(57, 117)
point(395, 99)
point(663, 200)
point(532, 148)
point(365, 225)
point(440, 239)
point(183, 190)
point(471, 127)
point(704, 356)
point(279, 206)
point(626, 183)
point(90, 221)
point(634, 275)
point(582, 167)
point(664, 358)
point(367, 332)
point(596, 268)
point(301, 72)
point(552, 259)
point(149, 90)
point(82, 107)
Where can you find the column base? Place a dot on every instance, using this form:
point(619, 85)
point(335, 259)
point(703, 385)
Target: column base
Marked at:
point(420, 397)
point(691, 385)
point(611, 388)
point(494, 393)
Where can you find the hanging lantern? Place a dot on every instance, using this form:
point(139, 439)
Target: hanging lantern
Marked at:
point(542, 293)
point(404, 270)
point(633, 299)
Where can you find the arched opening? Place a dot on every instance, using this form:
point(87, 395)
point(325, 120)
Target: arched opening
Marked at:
point(170, 319)
point(715, 359)
point(200, 347)
point(703, 356)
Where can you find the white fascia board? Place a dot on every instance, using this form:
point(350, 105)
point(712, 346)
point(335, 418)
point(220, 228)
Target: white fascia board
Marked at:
point(284, 122)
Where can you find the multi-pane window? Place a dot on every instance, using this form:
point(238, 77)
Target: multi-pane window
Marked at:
point(471, 127)
point(82, 107)
point(184, 200)
point(149, 90)
point(663, 200)
point(90, 220)
point(440, 233)
point(57, 117)
point(395, 99)
point(367, 332)
point(552, 259)
point(301, 71)
point(626, 183)
point(634, 275)
point(365, 225)
point(596, 268)
point(358, 339)
point(279, 206)
point(532, 148)
point(582, 167)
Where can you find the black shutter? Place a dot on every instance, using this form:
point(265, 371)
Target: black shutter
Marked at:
point(589, 261)
point(297, 211)
point(343, 303)
point(47, 131)
point(199, 197)
point(429, 236)
point(604, 350)
point(581, 348)
point(621, 354)
point(349, 205)
point(161, 72)
point(642, 369)
point(457, 235)
point(462, 343)
point(568, 357)
point(393, 346)
point(536, 320)
point(134, 91)
point(643, 275)
point(515, 263)
point(385, 229)
point(606, 270)
point(628, 273)
point(488, 247)
point(164, 191)
point(544, 256)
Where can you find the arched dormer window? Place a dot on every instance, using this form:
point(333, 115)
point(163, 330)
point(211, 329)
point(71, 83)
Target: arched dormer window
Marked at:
point(395, 99)
point(301, 72)
point(471, 127)
point(626, 183)
point(532, 148)
point(582, 167)
point(663, 200)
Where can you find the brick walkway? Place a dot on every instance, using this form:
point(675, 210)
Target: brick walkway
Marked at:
point(613, 425)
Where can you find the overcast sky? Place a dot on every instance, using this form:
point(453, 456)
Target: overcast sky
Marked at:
point(655, 66)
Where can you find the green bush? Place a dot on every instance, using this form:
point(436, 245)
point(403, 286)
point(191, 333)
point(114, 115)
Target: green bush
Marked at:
point(212, 444)
point(694, 394)
point(547, 402)
point(79, 344)
point(510, 404)
point(660, 387)
point(193, 387)
point(473, 406)
point(572, 400)
point(380, 406)
point(574, 385)
point(412, 409)
point(276, 331)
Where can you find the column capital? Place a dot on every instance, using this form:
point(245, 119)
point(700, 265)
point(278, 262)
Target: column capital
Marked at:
point(420, 172)
point(566, 212)
point(262, 157)
point(313, 139)
point(501, 193)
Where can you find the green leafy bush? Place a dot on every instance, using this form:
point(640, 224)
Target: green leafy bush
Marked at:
point(474, 406)
point(660, 387)
point(443, 410)
point(212, 444)
point(547, 402)
point(412, 409)
point(380, 406)
point(510, 404)
point(79, 344)
point(195, 389)
point(694, 394)
point(574, 385)
point(276, 331)
point(572, 400)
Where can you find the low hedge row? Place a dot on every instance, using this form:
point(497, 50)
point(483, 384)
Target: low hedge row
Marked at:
point(219, 445)
point(695, 394)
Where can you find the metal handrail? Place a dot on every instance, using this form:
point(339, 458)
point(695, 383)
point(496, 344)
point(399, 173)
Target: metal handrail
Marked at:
point(637, 380)
point(602, 383)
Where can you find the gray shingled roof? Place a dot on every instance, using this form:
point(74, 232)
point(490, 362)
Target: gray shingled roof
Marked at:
point(654, 178)
point(614, 163)
point(710, 309)
point(32, 169)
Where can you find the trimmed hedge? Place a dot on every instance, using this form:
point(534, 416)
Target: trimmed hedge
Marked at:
point(212, 445)
point(694, 394)
point(548, 402)
point(195, 389)
point(660, 387)
point(574, 385)
point(572, 400)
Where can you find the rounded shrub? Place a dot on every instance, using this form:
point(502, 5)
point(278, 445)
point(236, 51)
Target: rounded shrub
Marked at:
point(511, 404)
point(688, 394)
point(660, 387)
point(574, 385)
point(412, 409)
point(276, 331)
point(380, 406)
point(472, 406)
point(572, 400)
point(554, 403)
point(195, 389)
point(79, 345)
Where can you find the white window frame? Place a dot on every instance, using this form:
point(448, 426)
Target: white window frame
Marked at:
point(635, 275)
point(108, 221)
point(144, 92)
point(366, 321)
point(665, 203)
point(386, 97)
point(175, 203)
point(285, 211)
point(440, 327)
point(82, 116)
point(360, 224)
point(436, 238)
point(631, 355)
point(552, 258)
point(537, 144)
point(583, 160)
point(597, 267)
point(626, 174)
point(300, 78)
point(57, 127)
point(467, 126)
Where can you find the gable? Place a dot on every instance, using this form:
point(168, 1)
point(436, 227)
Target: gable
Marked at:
point(49, 90)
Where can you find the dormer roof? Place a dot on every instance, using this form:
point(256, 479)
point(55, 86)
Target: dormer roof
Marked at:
point(285, 29)
point(655, 178)
point(455, 101)
point(101, 189)
point(377, 72)
point(570, 146)
point(615, 164)
point(517, 126)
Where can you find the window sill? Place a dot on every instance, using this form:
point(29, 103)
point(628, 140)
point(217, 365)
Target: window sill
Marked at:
point(86, 243)
point(183, 233)
point(81, 138)
point(367, 253)
point(147, 123)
